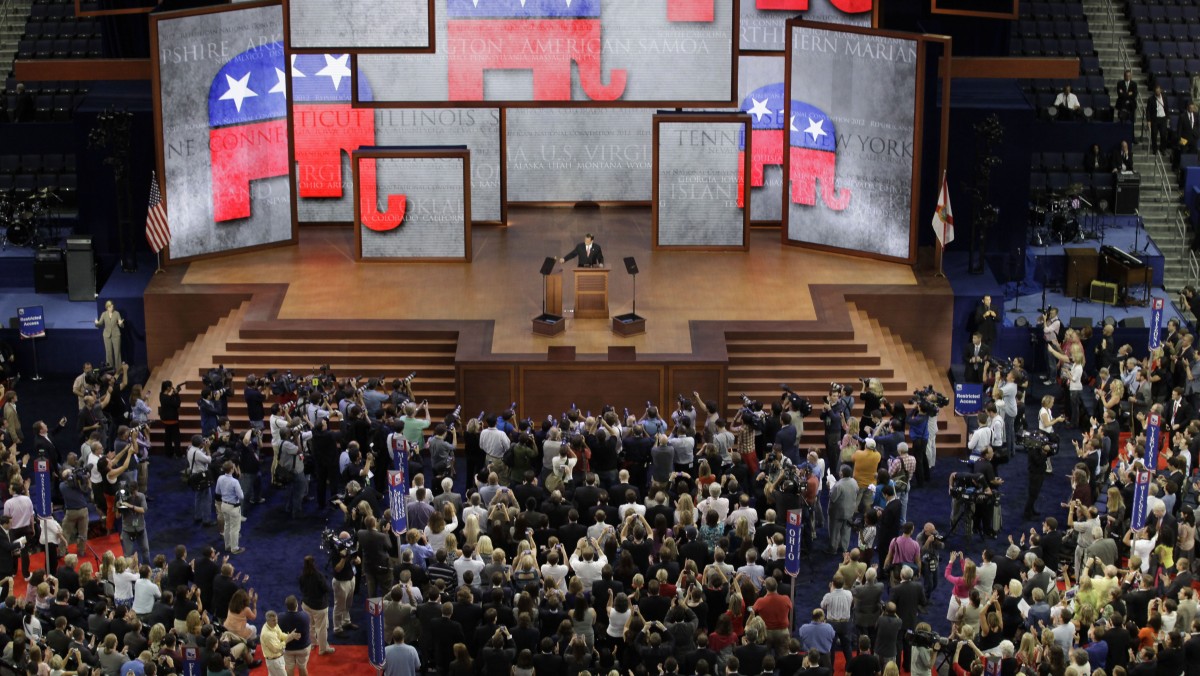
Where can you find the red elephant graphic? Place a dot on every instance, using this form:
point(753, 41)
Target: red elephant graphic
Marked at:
point(813, 148)
point(328, 125)
point(544, 36)
point(248, 136)
point(846, 6)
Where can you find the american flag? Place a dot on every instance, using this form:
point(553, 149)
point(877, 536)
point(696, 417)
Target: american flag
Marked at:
point(158, 232)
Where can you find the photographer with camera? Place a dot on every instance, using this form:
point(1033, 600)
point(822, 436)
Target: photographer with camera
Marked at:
point(210, 410)
point(290, 471)
point(255, 395)
point(168, 414)
point(198, 459)
point(75, 488)
point(131, 505)
point(345, 559)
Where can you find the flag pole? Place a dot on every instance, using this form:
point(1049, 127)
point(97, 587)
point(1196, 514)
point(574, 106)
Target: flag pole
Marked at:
point(158, 260)
point(939, 247)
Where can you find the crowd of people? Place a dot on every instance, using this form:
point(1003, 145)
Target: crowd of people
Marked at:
point(650, 542)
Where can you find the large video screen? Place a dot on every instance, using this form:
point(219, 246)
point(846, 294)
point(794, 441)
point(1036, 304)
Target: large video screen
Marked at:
point(699, 201)
point(357, 24)
point(581, 52)
point(851, 117)
point(763, 24)
point(328, 128)
point(223, 130)
point(433, 223)
point(570, 155)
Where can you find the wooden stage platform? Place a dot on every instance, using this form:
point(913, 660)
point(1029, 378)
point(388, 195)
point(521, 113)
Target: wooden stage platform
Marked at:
point(721, 323)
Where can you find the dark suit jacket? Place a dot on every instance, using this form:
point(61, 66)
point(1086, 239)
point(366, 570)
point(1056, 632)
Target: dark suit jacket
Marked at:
point(1152, 108)
point(1127, 91)
point(6, 560)
point(1182, 416)
point(908, 597)
point(974, 372)
point(445, 634)
point(1189, 130)
point(786, 438)
point(1095, 161)
point(1122, 163)
point(580, 252)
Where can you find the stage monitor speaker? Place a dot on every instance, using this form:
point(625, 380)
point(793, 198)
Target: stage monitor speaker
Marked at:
point(631, 265)
point(81, 268)
point(1022, 322)
point(1133, 323)
point(1103, 292)
point(49, 271)
point(1080, 322)
point(548, 265)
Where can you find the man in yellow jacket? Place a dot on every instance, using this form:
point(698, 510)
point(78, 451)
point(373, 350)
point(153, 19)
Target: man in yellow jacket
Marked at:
point(273, 641)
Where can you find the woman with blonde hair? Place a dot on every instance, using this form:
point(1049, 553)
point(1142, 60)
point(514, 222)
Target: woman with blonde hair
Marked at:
point(471, 530)
point(685, 511)
point(849, 443)
point(484, 547)
point(525, 572)
point(962, 586)
point(1027, 652)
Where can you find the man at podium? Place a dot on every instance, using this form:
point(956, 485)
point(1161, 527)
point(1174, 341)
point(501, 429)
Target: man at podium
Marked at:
point(589, 253)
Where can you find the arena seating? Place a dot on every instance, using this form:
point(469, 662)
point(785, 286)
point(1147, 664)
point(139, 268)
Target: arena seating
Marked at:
point(1167, 36)
point(1061, 29)
point(22, 175)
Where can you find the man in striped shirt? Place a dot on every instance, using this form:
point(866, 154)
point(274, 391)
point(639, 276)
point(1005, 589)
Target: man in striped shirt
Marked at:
point(836, 605)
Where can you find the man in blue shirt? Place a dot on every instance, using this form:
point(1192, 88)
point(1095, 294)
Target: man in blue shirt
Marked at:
point(818, 634)
point(400, 659)
point(229, 501)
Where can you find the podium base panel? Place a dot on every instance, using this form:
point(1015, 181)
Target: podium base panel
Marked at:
point(628, 325)
point(549, 325)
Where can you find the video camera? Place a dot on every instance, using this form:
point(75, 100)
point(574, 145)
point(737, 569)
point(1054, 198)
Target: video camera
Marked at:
point(219, 378)
point(342, 547)
point(797, 403)
point(752, 413)
point(967, 486)
point(922, 397)
point(1033, 440)
point(926, 639)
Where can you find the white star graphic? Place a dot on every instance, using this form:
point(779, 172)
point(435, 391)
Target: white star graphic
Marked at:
point(760, 108)
point(281, 86)
point(792, 124)
point(296, 71)
point(238, 91)
point(816, 128)
point(568, 3)
point(476, 4)
point(336, 69)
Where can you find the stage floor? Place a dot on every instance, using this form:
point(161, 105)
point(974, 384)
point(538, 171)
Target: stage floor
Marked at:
point(771, 282)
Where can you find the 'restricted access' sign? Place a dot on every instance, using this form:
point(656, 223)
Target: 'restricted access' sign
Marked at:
point(32, 320)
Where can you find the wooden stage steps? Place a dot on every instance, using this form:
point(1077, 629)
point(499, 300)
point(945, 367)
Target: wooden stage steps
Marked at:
point(859, 335)
point(760, 361)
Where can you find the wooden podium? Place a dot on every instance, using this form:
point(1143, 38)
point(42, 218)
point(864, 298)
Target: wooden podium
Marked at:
point(550, 322)
point(591, 293)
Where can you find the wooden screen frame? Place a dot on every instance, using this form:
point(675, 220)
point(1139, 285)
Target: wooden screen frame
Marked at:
point(79, 12)
point(1015, 13)
point(160, 158)
point(921, 40)
point(700, 118)
point(735, 20)
point(402, 152)
point(431, 48)
point(353, 97)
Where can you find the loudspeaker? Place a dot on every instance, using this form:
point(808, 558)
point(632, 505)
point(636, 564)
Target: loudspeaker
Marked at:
point(1080, 322)
point(49, 271)
point(81, 268)
point(631, 265)
point(548, 265)
point(1103, 292)
point(1022, 322)
point(1133, 323)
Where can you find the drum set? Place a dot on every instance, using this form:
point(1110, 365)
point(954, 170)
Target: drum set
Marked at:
point(25, 218)
point(1061, 217)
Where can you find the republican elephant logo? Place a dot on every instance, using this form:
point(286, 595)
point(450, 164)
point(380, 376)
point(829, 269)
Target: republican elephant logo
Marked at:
point(845, 6)
point(247, 104)
point(813, 159)
point(327, 125)
point(247, 120)
point(543, 36)
point(813, 148)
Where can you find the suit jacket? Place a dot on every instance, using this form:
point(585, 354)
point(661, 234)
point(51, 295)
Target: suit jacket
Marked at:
point(909, 597)
point(1152, 108)
point(580, 252)
point(1122, 163)
point(843, 499)
point(1127, 91)
point(974, 372)
point(786, 438)
point(1180, 414)
point(1189, 129)
point(6, 560)
point(1095, 161)
point(111, 323)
